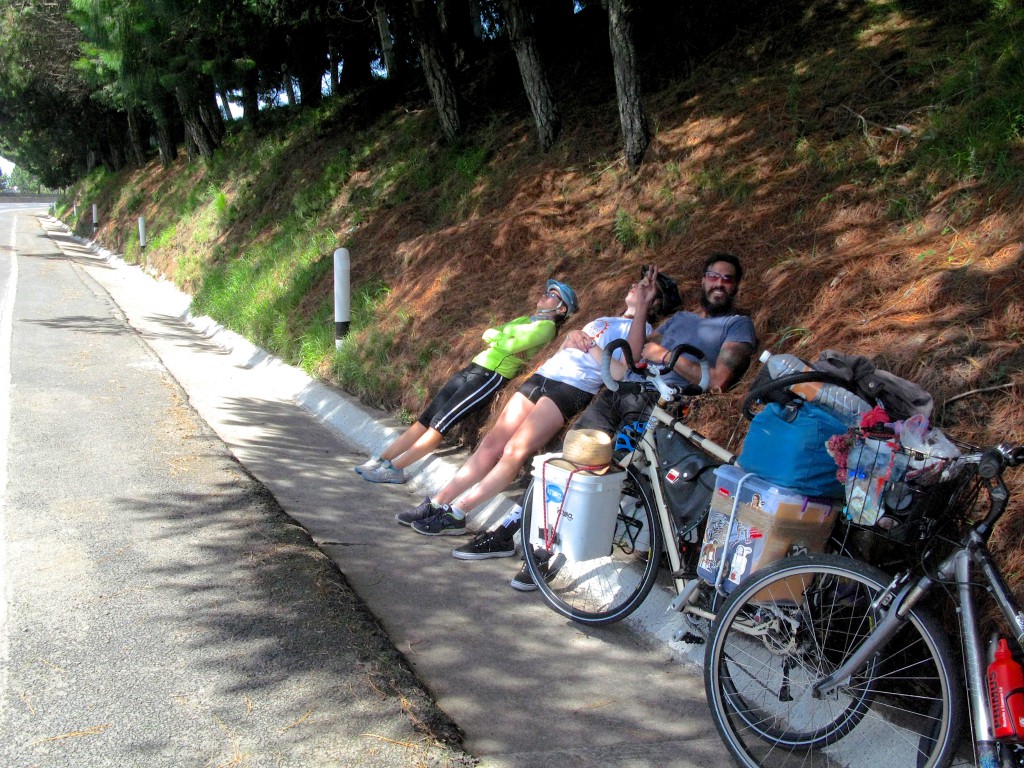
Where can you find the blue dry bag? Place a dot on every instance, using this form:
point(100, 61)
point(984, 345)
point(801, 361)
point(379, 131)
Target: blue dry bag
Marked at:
point(789, 449)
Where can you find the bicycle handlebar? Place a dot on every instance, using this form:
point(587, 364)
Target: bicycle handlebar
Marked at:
point(761, 393)
point(991, 463)
point(994, 460)
point(655, 373)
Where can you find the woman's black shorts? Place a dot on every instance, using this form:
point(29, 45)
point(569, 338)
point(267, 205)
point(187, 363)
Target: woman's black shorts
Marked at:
point(569, 399)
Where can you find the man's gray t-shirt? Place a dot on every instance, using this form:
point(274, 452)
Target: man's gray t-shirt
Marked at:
point(707, 334)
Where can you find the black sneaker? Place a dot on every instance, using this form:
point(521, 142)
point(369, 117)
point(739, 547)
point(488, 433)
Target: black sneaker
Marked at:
point(442, 523)
point(523, 581)
point(422, 512)
point(486, 545)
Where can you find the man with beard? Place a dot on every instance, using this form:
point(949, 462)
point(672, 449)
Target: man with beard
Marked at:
point(727, 339)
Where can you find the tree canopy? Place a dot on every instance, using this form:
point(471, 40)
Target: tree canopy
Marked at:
point(88, 82)
point(115, 82)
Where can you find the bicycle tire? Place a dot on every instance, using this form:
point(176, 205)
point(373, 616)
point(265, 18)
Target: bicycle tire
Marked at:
point(606, 589)
point(797, 620)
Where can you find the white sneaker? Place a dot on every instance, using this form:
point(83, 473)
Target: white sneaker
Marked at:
point(385, 473)
point(366, 466)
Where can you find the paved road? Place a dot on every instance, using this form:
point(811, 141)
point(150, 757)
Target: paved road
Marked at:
point(527, 688)
point(157, 608)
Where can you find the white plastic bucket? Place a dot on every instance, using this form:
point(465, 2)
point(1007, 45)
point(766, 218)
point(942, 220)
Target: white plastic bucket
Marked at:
point(589, 505)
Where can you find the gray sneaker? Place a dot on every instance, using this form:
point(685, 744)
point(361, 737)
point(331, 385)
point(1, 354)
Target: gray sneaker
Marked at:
point(385, 473)
point(426, 509)
point(366, 466)
point(442, 523)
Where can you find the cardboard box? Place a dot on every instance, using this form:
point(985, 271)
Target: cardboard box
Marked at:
point(771, 522)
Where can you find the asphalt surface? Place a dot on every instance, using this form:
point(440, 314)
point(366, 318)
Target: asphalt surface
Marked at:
point(526, 687)
point(159, 608)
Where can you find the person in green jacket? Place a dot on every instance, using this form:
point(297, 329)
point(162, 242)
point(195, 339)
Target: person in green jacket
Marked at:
point(472, 388)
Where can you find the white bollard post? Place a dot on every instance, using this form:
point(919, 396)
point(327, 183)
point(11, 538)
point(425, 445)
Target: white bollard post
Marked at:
point(342, 295)
point(142, 240)
point(95, 221)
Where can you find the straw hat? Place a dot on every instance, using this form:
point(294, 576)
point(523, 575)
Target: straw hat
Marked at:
point(589, 448)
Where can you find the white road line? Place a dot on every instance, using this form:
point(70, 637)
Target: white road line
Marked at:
point(6, 328)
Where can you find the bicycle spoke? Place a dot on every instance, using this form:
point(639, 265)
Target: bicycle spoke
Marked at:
point(606, 589)
point(766, 655)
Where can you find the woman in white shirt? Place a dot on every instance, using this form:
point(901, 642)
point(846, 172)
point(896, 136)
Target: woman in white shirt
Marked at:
point(560, 389)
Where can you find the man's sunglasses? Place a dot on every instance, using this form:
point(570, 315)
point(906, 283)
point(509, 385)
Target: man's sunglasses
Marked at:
point(724, 279)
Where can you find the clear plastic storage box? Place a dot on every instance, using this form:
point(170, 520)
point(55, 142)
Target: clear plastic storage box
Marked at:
point(753, 523)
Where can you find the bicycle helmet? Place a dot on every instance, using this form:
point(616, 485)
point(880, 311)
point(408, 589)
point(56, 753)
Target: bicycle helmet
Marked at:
point(568, 295)
point(668, 289)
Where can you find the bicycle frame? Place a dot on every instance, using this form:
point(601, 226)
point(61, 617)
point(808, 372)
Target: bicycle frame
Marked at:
point(646, 447)
point(896, 602)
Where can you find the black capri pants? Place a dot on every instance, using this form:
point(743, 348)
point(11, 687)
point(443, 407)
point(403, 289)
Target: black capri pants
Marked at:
point(464, 393)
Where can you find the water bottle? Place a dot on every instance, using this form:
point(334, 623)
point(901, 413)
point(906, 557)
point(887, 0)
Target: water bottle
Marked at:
point(841, 402)
point(1006, 693)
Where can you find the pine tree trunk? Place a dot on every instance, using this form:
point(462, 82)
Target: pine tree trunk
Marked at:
point(111, 157)
point(225, 106)
point(535, 78)
point(250, 97)
point(437, 70)
point(311, 85)
point(356, 54)
point(212, 119)
point(191, 150)
point(289, 88)
point(210, 113)
point(636, 132)
point(165, 144)
point(195, 130)
point(138, 154)
point(333, 58)
point(387, 44)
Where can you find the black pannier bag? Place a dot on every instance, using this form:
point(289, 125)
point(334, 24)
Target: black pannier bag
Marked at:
point(688, 478)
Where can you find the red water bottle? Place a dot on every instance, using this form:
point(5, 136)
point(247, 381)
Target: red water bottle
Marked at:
point(1006, 693)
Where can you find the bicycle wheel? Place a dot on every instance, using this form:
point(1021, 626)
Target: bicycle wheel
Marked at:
point(605, 589)
point(794, 623)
